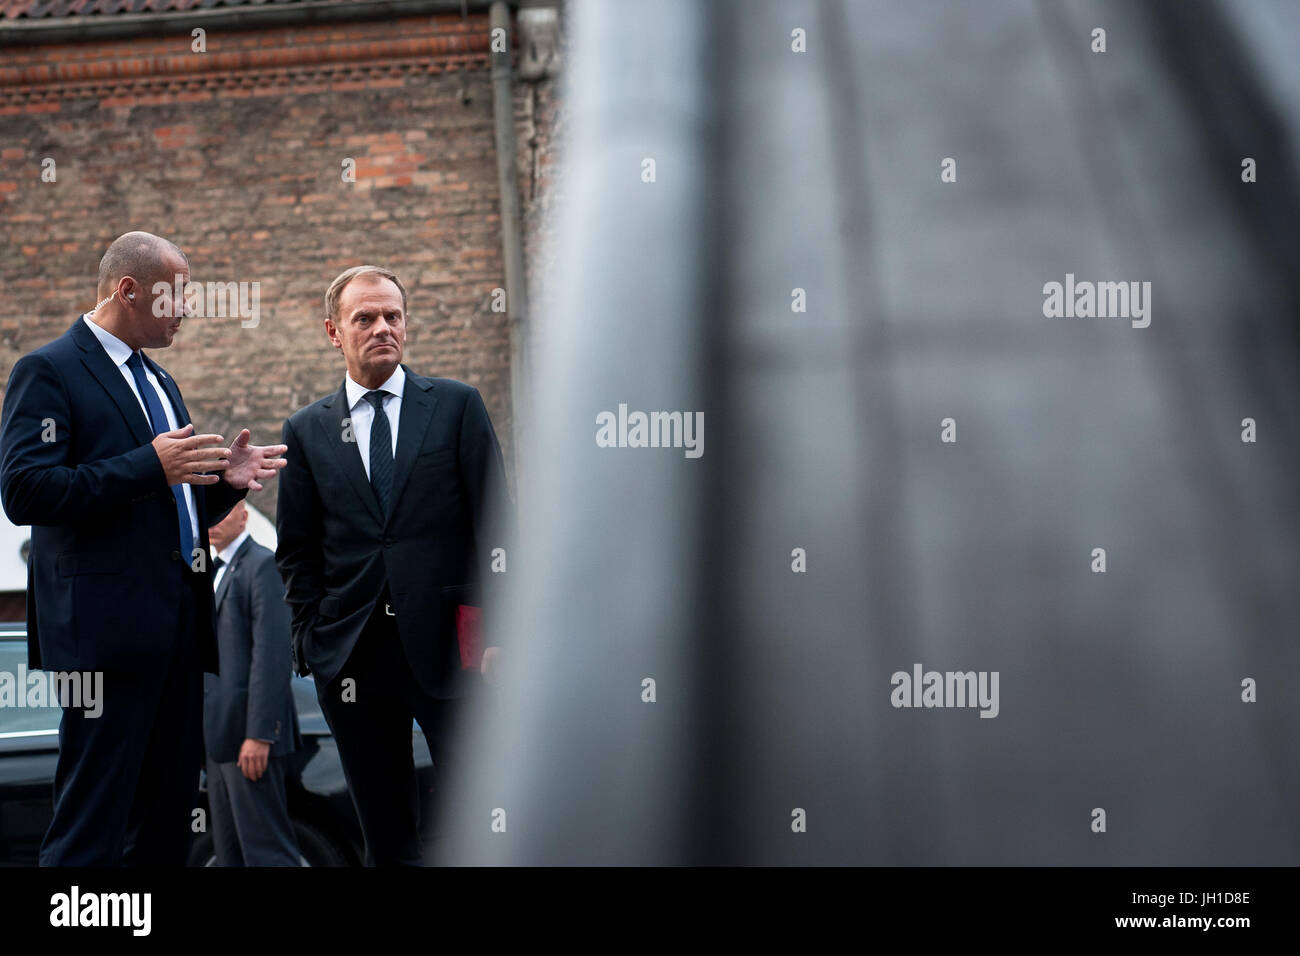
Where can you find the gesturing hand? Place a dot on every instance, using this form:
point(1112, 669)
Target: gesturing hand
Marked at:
point(184, 455)
point(248, 463)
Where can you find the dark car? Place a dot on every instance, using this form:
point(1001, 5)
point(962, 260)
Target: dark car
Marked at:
point(322, 812)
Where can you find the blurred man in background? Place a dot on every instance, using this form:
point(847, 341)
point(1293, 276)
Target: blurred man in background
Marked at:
point(249, 722)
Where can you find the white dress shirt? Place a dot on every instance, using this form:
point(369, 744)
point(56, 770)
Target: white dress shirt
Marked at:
point(227, 554)
point(119, 352)
point(362, 412)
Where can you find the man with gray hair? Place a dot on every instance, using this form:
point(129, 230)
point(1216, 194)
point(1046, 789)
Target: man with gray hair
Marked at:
point(98, 455)
point(383, 522)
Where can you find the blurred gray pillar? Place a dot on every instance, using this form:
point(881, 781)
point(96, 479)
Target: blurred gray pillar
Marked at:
point(775, 171)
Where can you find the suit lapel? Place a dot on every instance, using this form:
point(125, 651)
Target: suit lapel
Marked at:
point(224, 586)
point(110, 377)
point(345, 452)
point(418, 403)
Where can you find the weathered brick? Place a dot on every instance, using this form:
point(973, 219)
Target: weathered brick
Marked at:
point(245, 175)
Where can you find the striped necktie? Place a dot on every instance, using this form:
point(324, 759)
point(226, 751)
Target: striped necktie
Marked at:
point(381, 451)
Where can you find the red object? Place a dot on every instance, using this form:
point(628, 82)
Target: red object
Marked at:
point(469, 634)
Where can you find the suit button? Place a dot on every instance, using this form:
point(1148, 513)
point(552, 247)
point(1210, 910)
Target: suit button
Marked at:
point(388, 542)
point(176, 555)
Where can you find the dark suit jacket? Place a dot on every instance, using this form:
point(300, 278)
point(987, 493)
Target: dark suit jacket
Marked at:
point(102, 577)
point(336, 550)
point(252, 697)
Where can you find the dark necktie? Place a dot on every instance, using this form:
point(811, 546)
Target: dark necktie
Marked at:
point(381, 451)
point(158, 421)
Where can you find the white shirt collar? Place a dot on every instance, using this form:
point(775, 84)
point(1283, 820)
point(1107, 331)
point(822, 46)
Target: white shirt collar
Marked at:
point(228, 552)
point(356, 393)
point(117, 350)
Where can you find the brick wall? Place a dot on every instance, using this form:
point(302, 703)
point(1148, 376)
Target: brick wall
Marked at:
point(236, 154)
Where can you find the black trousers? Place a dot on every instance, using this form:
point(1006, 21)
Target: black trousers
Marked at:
point(370, 707)
point(250, 818)
point(127, 782)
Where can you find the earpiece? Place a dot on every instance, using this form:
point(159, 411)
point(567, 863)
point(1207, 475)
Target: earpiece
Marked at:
point(131, 296)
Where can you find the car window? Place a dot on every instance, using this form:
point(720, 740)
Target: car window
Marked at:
point(16, 683)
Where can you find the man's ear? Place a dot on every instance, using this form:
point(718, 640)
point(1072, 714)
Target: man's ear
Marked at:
point(333, 333)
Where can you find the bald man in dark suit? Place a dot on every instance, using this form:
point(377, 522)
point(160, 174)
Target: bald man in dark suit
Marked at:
point(98, 455)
